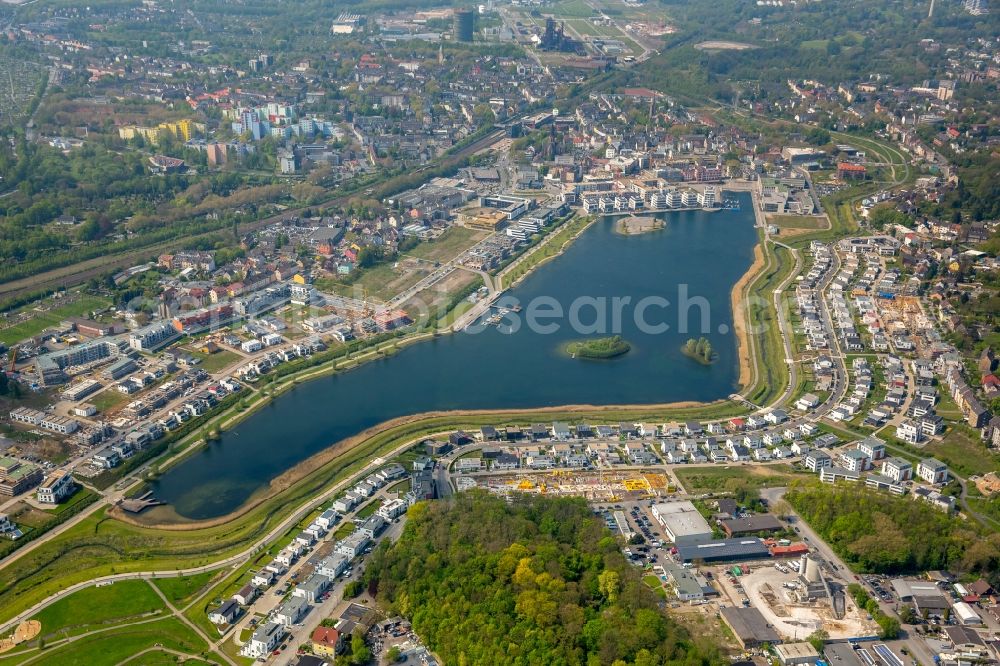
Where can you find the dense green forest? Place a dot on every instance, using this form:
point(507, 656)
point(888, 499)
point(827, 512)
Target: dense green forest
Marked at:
point(882, 533)
point(534, 581)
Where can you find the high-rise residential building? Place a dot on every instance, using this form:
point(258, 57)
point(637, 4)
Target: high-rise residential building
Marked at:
point(464, 25)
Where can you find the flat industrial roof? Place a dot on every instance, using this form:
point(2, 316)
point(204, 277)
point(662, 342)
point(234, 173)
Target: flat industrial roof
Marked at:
point(745, 548)
point(681, 519)
point(762, 523)
point(841, 654)
point(749, 625)
point(795, 651)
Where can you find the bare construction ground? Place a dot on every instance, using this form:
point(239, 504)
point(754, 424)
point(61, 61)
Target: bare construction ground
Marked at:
point(795, 620)
point(718, 45)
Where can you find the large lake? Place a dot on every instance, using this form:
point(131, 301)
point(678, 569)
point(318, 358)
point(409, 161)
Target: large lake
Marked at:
point(708, 252)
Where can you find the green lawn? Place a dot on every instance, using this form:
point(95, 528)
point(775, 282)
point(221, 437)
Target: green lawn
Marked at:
point(50, 316)
point(370, 509)
point(380, 282)
point(448, 245)
point(763, 320)
point(107, 399)
point(161, 658)
point(797, 222)
point(343, 531)
point(182, 589)
point(93, 607)
point(212, 363)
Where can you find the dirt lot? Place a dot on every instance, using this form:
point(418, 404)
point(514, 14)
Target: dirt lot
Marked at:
point(438, 294)
point(764, 587)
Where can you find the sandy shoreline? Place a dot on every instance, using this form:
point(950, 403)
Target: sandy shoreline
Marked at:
point(740, 314)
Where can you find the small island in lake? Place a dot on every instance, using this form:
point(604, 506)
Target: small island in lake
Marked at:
point(633, 226)
point(700, 350)
point(598, 348)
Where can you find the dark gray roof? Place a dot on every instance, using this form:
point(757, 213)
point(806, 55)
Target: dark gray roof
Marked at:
point(723, 549)
point(749, 625)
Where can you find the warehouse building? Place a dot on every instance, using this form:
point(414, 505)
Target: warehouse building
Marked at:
point(724, 550)
point(682, 523)
point(751, 525)
point(749, 626)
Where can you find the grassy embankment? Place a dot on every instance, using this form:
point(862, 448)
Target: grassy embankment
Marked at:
point(771, 370)
point(101, 545)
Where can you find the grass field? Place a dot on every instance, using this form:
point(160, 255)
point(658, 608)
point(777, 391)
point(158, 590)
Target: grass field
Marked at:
point(212, 363)
point(182, 589)
point(51, 315)
point(449, 245)
point(370, 509)
point(698, 480)
point(772, 371)
point(963, 451)
point(107, 399)
point(117, 645)
point(797, 222)
point(381, 282)
point(94, 607)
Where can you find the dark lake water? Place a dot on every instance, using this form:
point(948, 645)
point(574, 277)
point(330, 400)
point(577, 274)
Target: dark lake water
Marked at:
point(707, 252)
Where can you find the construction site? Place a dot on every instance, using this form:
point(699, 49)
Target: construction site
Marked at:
point(595, 487)
point(796, 598)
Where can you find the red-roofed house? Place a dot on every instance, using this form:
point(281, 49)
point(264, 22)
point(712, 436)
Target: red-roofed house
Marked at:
point(847, 170)
point(326, 641)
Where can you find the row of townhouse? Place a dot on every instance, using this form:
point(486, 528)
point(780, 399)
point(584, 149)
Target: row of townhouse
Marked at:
point(807, 297)
point(313, 589)
point(262, 365)
point(976, 415)
point(367, 487)
point(662, 199)
point(166, 392)
point(63, 425)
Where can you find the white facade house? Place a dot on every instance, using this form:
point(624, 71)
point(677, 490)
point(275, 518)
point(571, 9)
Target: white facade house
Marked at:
point(897, 469)
point(932, 471)
point(56, 487)
point(264, 640)
point(393, 509)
